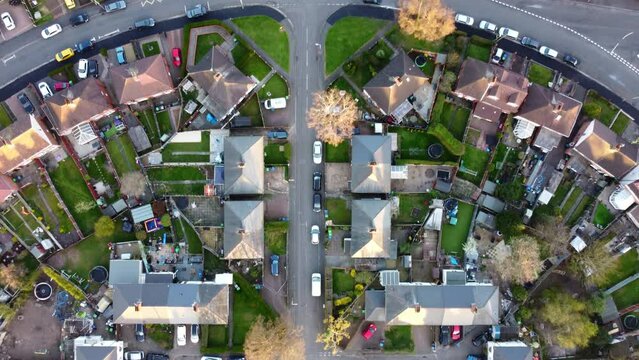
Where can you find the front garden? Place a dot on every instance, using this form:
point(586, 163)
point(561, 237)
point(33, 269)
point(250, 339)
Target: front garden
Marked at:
point(277, 153)
point(151, 48)
point(248, 62)
point(479, 48)
point(366, 66)
point(275, 87)
point(251, 109)
point(339, 153)
point(275, 236)
point(540, 74)
point(346, 36)
point(598, 107)
point(269, 35)
point(399, 339)
point(247, 306)
point(338, 211)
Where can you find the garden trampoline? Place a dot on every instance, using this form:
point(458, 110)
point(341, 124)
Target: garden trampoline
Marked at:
point(631, 322)
point(99, 274)
point(435, 151)
point(43, 291)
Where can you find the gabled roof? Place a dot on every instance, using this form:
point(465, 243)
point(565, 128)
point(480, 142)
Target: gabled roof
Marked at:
point(7, 188)
point(244, 165)
point(224, 84)
point(21, 141)
point(371, 164)
point(191, 303)
point(509, 350)
point(491, 84)
point(371, 229)
point(244, 230)
point(96, 353)
point(550, 109)
point(395, 83)
point(140, 79)
point(85, 101)
point(605, 149)
point(428, 304)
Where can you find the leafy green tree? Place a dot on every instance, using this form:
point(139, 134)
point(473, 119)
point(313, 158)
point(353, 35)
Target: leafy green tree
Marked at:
point(511, 191)
point(568, 318)
point(519, 293)
point(510, 223)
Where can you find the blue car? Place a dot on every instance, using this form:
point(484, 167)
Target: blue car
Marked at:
point(275, 265)
point(119, 53)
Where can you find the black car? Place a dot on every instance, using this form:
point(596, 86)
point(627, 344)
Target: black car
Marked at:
point(84, 45)
point(571, 60)
point(79, 19)
point(480, 339)
point(317, 181)
point(93, 68)
point(374, 2)
point(530, 42)
point(139, 332)
point(317, 202)
point(26, 103)
point(444, 335)
point(152, 356)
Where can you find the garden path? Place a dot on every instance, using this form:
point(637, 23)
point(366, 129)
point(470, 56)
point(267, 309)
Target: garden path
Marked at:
point(622, 283)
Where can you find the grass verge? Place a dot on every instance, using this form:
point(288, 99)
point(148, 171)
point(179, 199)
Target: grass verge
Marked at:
point(346, 36)
point(269, 35)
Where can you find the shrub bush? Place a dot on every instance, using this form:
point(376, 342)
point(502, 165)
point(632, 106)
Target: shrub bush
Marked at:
point(592, 110)
point(519, 293)
point(166, 220)
point(359, 289)
point(447, 139)
point(343, 301)
point(353, 273)
point(64, 283)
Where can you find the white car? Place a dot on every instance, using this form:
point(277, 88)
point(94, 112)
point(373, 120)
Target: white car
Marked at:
point(134, 355)
point(180, 335)
point(485, 25)
point(464, 19)
point(545, 50)
point(317, 152)
point(507, 32)
point(7, 21)
point(83, 68)
point(45, 90)
point(315, 234)
point(195, 336)
point(51, 31)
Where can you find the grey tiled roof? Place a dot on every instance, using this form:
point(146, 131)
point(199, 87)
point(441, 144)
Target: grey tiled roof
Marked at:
point(371, 164)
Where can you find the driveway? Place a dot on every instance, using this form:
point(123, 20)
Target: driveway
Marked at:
point(337, 178)
point(20, 18)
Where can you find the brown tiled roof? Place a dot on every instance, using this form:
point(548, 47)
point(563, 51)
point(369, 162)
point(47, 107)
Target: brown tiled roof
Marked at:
point(7, 187)
point(21, 141)
point(492, 85)
point(395, 83)
point(86, 101)
point(487, 111)
point(606, 149)
point(141, 79)
point(550, 109)
point(633, 215)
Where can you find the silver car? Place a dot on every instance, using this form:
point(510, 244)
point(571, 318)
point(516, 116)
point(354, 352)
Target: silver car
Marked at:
point(115, 6)
point(196, 11)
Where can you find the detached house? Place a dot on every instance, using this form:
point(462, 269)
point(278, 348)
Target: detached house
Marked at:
point(71, 110)
point(141, 80)
point(22, 142)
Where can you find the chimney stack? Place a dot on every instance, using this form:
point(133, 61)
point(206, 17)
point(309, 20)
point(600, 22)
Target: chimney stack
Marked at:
point(372, 163)
point(398, 80)
point(195, 306)
point(138, 305)
point(417, 308)
point(619, 146)
point(473, 308)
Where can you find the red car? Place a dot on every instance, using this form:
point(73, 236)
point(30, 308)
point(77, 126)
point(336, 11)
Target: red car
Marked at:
point(369, 331)
point(60, 85)
point(177, 57)
point(456, 335)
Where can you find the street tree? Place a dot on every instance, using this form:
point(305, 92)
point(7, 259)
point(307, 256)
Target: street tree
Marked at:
point(104, 227)
point(12, 275)
point(568, 317)
point(333, 115)
point(593, 264)
point(523, 264)
point(426, 20)
point(336, 331)
point(273, 340)
point(133, 184)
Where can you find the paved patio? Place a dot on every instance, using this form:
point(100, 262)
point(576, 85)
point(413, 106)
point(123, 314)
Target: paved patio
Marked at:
point(421, 178)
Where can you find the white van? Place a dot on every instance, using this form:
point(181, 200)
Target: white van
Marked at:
point(316, 284)
point(277, 103)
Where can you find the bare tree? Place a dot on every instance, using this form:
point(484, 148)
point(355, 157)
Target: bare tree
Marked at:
point(333, 115)
point(12, 275)
point(273, 339)
point(426, 19)
point(593, 264)
point(133, 184)
point(336, 331)
point(523, 265)
point(554, 234)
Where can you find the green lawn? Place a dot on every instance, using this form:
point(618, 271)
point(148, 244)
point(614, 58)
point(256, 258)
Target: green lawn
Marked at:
point(454, 236)
point(413, 147)
point(342, 84)
point(248, 62)
point(5, 119)
point(579, 210)
point(338, 211)
point(98, 169)
point(275, 87)
point(408, 202)
point(122, 154)
point(169, 153)
point(607, 109)
point(560, 194)
point(603, 217)
point(251, 108)
point(164, 121)
point(184, 231)
point(346, 36)
point(18, 223)
point(161, 334)
point(408, 42)
point(455, 118)
point(275, 235)
point(269, 35)
point(570, 201)
point(174, 173)
point(364, 67)
point(205, 43)
point(163, 188)
point(277, 154)
point(340, 153)
point(151, 48)
point(75, 194)
point(398, 339)
point(627, 295)
point(150, 125)
point(626, 265)
point(342, 281)
point(247, 305)
point(478, 52)
point(217, 339)
point(620, 124)
point(59, 216)
point(540, 74)
point(475, 160)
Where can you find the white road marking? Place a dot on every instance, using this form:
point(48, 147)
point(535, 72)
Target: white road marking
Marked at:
point(628, 34)
point(6, 59)
point(109, 34)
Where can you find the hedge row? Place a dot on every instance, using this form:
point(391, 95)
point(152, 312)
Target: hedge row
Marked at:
point(447, 139)
point(64, 283)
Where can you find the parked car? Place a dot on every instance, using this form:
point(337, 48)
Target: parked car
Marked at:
point(277, 103)
point(144, 23)
point(530, 42)
point(65, 54)
point(120, 55)
point(374, 2)
point(134, 355)
point(369, 331)
point(139, 332)
point(153, 356)
point(180, 335)
point(316, 284)
point(26, 103)
point(277, 134)
point(275, 265)
point(195, 333)
point(317, 181)
point(70, 4)
point(61, 85)
point(500, 56)
point(464, 19)
point(115, 6)
point(83, 68)
point(176, 53)
point(444, 335)
point(45, 90)
point(196, 11)
point(211, 358)
point(7, 20)
point(507, 32)
point(545, 50)
point(475, 357)
point(317, 152)
point(317, 202)
point(93, 68)
point(480, 339)
point(84, 45)
point(315, 232)
point(571, 60)
point(79, 19)
point(457, 333)
point(51, 31)
point(488, 26)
